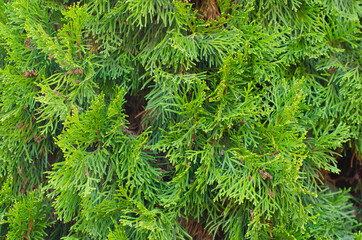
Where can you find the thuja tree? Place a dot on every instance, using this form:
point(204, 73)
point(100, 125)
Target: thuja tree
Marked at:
point(160, 119)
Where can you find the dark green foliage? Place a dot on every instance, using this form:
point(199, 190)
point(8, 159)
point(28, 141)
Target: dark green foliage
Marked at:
point(138, 119)
point(333, 215)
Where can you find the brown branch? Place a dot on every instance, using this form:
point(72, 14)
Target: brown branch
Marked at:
point(29, 226)
point(25, 237)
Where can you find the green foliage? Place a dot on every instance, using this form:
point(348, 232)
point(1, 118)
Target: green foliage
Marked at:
point(138, 222)
point(334, 216)
point(28, 217)
point(7, 199)
point(137, 119)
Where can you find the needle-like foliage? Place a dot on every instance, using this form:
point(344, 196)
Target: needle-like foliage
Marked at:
point(178, 119)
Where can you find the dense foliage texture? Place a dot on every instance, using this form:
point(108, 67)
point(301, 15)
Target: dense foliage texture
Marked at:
point(171, 119)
